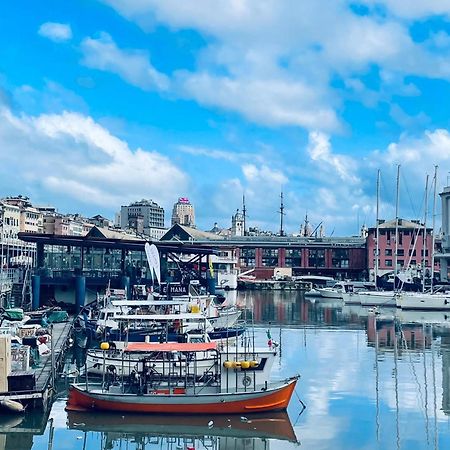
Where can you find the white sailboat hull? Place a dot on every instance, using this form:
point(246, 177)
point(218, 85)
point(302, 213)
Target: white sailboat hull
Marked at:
point(416, 300)
point(378, 298)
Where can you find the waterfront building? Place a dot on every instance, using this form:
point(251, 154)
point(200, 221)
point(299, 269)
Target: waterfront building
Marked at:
point(412, 241)
point(72, 269)
point(183, 213)
point(444, 255)
point(10, 228)
point(147, 212)
point(343, 258)
point(30, 217)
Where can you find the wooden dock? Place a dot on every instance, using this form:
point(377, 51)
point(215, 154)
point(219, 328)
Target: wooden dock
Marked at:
point(48, 364)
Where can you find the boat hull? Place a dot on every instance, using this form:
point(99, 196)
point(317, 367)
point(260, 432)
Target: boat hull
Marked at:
point(378, 298)
point(271, 399)
point(330, 293)
point(425, 301)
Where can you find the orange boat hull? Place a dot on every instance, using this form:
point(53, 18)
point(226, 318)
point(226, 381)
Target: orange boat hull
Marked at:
point(271, 400)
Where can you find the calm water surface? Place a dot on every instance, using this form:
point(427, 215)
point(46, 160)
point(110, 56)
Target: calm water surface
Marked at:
point(367, 381)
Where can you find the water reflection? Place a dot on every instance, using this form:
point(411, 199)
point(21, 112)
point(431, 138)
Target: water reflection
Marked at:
point(181, 432)
point(373, 381)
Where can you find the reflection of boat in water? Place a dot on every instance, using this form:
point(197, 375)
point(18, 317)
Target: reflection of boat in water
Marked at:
point(424, 317)
point(264, 426)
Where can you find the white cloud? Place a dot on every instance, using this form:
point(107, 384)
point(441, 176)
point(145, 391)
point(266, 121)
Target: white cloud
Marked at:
point(226, 155)
point(58, 32)
point(319, 149)
point(274, 63)
point(266, 101)
point(132, 65)
point(414, 10)
point(70, 154)
point(263, 174)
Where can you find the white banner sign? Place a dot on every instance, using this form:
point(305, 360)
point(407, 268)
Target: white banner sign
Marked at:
point(153, 260)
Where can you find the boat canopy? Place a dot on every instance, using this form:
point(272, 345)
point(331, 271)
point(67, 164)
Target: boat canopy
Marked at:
point(160, 317)
point(170, 347)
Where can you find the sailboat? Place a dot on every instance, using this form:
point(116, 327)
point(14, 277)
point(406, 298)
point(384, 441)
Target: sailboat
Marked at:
point(433, 300)
point(379, 298)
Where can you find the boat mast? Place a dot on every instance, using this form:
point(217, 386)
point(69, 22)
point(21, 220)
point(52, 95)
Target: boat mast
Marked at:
point(377, 251)
point(424, 240)
point(244, 212)
point(281, 214)
point(396, 225)
point(433, 237)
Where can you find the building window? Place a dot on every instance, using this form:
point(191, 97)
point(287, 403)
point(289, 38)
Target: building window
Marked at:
point(269, 257)
point(293, 257)
point(388, 252)
point(247, 257)
point(401, 252)
point(412, 253)
point(340, 258)
point(400, 262)
point(316, 258)
point(388, 263)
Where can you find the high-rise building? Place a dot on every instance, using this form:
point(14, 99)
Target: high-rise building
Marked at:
point(183, 212)
point(146, 213)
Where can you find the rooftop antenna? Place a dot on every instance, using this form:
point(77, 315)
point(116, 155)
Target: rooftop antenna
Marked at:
point(281, 214)
point(244, 212)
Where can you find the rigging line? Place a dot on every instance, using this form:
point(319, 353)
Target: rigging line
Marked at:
point(413, 209)
point(413, 369)
point(424, 342)
point(436, 441)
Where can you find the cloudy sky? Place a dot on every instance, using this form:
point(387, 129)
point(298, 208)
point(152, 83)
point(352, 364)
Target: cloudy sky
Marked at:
point(103, 103)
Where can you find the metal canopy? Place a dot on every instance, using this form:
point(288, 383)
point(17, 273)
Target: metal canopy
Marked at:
point(98, 242)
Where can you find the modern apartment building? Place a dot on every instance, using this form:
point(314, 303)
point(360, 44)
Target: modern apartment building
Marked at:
point(145, 212)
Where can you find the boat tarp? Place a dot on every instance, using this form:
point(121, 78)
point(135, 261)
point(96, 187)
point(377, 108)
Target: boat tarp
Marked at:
point(58, 316)
point(13, 314)
point(171, 347)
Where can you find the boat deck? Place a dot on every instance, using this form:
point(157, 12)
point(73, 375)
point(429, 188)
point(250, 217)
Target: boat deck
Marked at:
point(39, 396)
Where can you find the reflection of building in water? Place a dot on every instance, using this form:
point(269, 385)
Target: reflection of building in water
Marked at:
point(412, 334)
point(289, 308)
point(445, 349)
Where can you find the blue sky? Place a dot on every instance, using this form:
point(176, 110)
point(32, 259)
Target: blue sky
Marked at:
point(107, 102)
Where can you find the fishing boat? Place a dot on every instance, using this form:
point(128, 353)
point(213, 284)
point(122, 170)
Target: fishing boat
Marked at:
point(229, 385)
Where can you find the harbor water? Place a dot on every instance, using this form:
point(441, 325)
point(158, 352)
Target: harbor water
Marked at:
point(369, 379)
